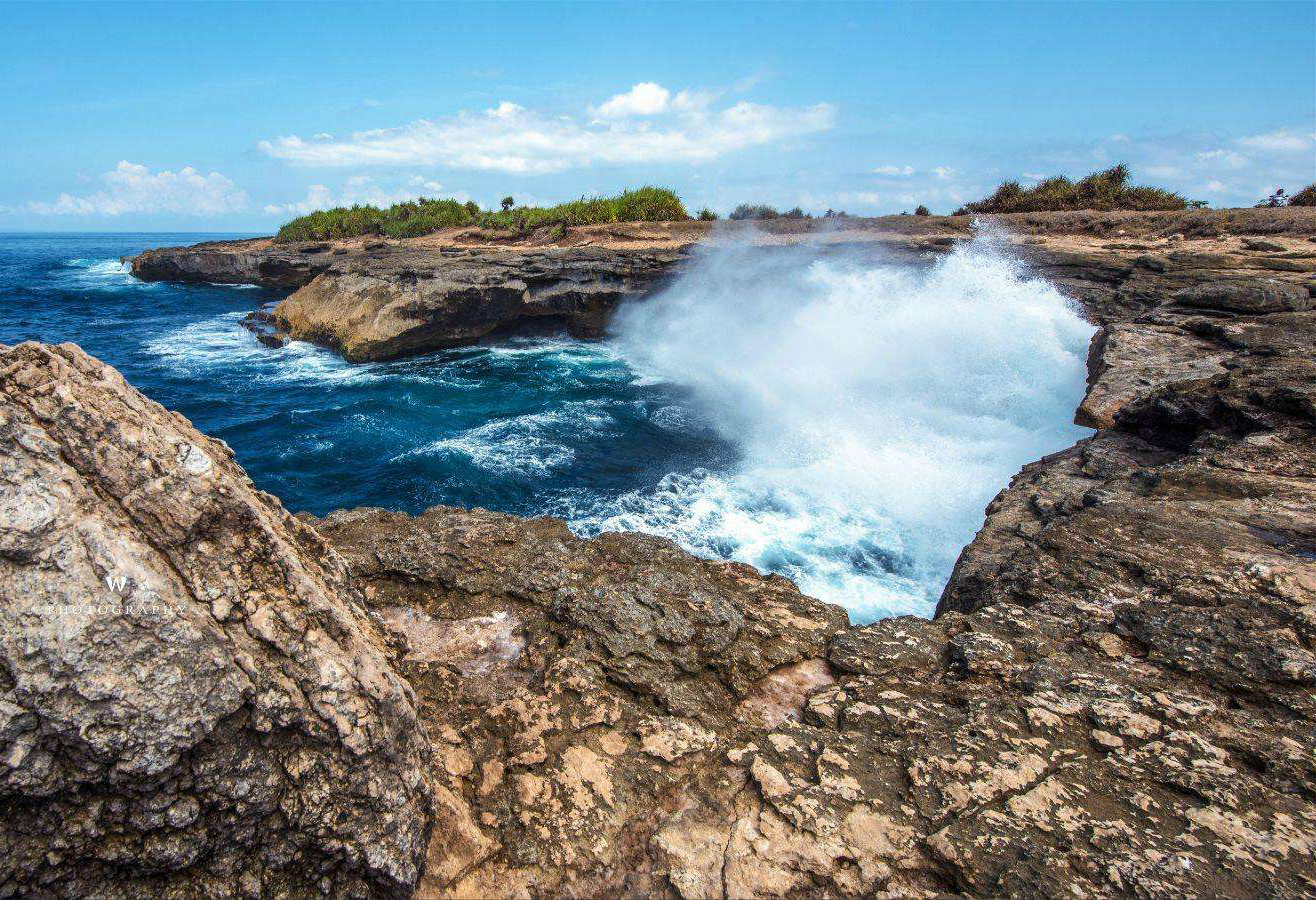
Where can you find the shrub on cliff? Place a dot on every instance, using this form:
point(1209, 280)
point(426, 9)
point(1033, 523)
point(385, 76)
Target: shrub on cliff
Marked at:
point(754, 211)
point(1106, 190)
point(922, 211)
point(1304, 197)
point(414, 218)
point(762, 211)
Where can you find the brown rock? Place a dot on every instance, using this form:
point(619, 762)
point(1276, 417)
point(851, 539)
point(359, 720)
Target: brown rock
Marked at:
point(192, 697)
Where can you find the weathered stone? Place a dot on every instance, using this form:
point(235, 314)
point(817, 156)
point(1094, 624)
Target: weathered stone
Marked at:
point(1116, 697)
point(192, 693)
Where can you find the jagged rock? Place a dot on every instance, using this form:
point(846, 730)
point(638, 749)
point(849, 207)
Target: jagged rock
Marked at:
point(633, 668)
point(1067, 746)
point(192, 698)
point(1263, 246)
point(409, 304)
point(1115, 698)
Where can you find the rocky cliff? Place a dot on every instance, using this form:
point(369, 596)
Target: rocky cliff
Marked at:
point(1115, 697)
point(377, 299)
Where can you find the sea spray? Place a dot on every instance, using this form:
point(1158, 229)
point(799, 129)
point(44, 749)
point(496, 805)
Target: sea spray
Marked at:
point(876, 408)
point(838, 418)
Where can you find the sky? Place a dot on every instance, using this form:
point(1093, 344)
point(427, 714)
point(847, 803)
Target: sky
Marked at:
point(238, 117)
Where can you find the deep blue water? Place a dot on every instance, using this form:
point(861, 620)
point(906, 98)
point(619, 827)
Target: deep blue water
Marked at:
point(529, 426)
point(840, 420)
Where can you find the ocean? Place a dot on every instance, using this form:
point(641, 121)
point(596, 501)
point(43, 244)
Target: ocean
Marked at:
point(842, 421)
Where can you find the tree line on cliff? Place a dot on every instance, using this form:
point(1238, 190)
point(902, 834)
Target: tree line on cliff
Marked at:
point(1109, 189)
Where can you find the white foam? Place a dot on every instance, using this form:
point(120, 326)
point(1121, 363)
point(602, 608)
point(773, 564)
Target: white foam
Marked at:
point(220, 343)
point(98, 273)
point(522, 445)
point(877, 409)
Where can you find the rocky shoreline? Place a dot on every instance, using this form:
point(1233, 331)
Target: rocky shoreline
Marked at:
point(372, 299)
point(1115, 697)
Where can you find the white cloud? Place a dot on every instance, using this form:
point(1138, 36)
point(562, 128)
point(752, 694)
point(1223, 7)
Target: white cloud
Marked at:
point(943, 172)
point(894, 170)
point(1163, 171)
point(1227, 158)
point(1282, 140)
point(363, 190)
point(650, 99)
point(132, 188)
point(510, 138)
point(868, 198)
point(645, 99)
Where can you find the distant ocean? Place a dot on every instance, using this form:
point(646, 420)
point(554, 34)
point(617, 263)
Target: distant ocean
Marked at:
point(840, 422)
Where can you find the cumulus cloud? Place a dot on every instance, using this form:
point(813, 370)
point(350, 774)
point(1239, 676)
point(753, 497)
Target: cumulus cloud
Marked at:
point(363, 190)
point(1227, 158)
point(647, 124)
point(1282, 140)
point(131, 188)
point(645, 99)
point(894, 170)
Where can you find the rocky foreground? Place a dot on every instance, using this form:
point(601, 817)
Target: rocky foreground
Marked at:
point(203, 695)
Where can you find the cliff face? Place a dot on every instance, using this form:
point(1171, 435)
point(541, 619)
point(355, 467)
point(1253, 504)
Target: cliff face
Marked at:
point(1116, 696)
point(375, 299)
point(407, 303)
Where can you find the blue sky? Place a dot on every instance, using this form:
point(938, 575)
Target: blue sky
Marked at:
point(237, 117)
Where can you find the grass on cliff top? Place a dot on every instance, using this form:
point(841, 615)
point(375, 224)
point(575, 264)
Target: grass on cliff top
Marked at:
point(415, 218)
point(1105, 190)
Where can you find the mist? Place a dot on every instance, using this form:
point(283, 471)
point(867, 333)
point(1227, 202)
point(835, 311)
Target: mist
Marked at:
point(876, 408)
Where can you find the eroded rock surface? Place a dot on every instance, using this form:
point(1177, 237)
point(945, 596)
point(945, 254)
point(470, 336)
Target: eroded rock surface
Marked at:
point(662, 726)
point(193, 700)
point(373, 299)
point(410, 303)
point(1115, 698)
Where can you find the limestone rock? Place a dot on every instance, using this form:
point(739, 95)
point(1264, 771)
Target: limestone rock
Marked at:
point(192, 697)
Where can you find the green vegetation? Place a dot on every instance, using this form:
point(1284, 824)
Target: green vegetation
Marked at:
point(706, 215)
point(922, 211)
point(1101, 190)
point(419, 217)
point(761, 211)
point(1304, 197)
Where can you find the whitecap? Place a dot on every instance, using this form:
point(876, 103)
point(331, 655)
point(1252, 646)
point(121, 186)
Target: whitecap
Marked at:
point(527, 445)
point(876, 409)
point(220, 345)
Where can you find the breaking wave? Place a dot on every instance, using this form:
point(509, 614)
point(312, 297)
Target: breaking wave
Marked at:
point(840, 419)
point(876, 408)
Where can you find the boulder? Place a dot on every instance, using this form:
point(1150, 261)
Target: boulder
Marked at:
point(193, 699)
